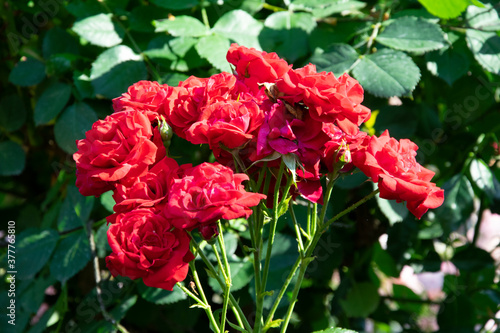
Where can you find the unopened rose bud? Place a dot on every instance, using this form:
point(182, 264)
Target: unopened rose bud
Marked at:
point(165, 132)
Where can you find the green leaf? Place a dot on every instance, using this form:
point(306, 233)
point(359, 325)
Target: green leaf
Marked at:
point(485, 46)
point(362, 299)
point(241, 275)
point(181, 26)
point(176, 4)
point(58, 41)
point(141, 18)
point(324, 8)
point(412, 34)
point(12, 113)
point(60, 64)
point(335, 330)
point(399, 120)
point(173, 79)
point(160, 296)
point(445, 9)
point(214, 49)
point(387, 73)
point(12, 158)
point(239, 26)
point(403, 292)
point(485, 18)
point(115, 70)
point(27, 73)
point(33, 249)
point(178, 54)
point(51, 102)
point(384, 261)
point(448, 64)
point(338, 58)
point(457, 314)
point(75, 210)
point(287, 34)
point(482, 177)
point(458, 203)
point(101, 241)
point(83, 85)
point(119, 312)
point(72, 125)
point(99, 30)
point(470, 258)
point(71, 255)
point(107, 201)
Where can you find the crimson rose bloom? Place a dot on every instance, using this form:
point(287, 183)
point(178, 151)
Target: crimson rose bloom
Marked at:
point(206, 193)
point(116, 149)
point(145, 96)
point(148, 191)
point(145, 246)
point(284, 133)
point(329, 99)
point(230, 123)
point(254, 67)
point(340, 144)
point(392, 164)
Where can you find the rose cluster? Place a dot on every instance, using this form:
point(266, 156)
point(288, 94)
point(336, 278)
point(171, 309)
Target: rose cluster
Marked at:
point(156, 201)
point(265, 111)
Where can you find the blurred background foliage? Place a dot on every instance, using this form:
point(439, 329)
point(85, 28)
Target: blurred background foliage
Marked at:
point(430, 70)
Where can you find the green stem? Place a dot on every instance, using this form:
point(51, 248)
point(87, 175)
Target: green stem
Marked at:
point(219, 262)
point(189, 293)
point(207, 307)
point(295, 293)
point(326, 198)
point(204, 15)
point(270, 241)
point(273, 8)
point(304, 261)
point(281, 293)
point(220, 240)
point(211, 268)
point(372, 37)
point(297, 229)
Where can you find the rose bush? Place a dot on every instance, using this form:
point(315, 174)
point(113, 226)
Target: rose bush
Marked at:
point(276, 132)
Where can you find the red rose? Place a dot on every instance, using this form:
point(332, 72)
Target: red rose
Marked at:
point(230, 123)
point(206, 193)
point(145, 246)
point(285, 133)
point(182, 108)
point(116, 149)
point(329, 99)
point(148, 191)
point(145, 96)
point(392, 164)
point(254, 67)
point(340, 145)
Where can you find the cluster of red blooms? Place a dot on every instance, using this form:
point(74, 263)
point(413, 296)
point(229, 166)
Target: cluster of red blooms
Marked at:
point(264, 111)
